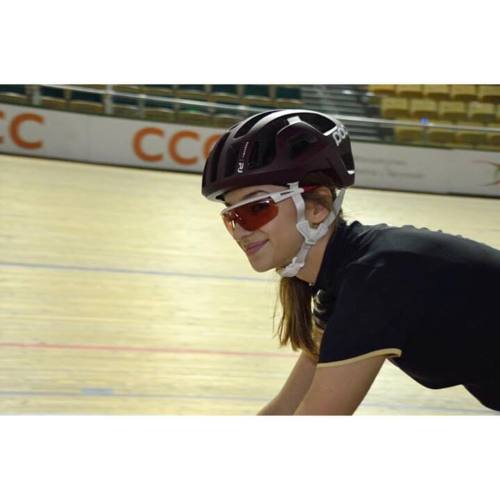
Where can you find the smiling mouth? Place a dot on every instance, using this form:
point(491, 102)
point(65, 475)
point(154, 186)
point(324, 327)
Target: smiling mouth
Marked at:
point(255, 247)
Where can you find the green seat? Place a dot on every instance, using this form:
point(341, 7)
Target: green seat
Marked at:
point(223, 120)
point(13, 94)
point(53, 98)
point(86, 102)
point(158, 90)
point(257, 95)
point(288, 97)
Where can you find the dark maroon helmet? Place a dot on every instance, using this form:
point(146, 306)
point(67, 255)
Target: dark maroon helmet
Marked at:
point(278, 147)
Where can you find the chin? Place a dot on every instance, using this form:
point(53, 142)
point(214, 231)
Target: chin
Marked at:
point(261, 267)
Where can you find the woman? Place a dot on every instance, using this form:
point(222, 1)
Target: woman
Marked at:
point(352, 295)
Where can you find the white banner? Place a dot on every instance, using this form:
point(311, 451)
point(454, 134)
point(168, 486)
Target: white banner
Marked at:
point(116, 141)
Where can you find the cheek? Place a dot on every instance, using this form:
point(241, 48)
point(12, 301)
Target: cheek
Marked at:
point(285, 237)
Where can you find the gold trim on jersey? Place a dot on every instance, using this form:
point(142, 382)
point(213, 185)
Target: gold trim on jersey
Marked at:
point(391, 351)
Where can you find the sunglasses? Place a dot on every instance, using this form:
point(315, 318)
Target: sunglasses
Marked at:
point(255, 212)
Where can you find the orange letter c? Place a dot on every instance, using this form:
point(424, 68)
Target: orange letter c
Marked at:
point(137, 143)
point(172, 147)
point(16, 124)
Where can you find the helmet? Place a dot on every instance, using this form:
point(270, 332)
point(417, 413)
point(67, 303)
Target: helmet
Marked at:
point(278, 147)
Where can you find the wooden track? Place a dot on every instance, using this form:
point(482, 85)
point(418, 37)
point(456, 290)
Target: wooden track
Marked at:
point(122, 293)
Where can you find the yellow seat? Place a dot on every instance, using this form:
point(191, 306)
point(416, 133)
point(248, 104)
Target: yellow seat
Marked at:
point(489, 93)
point(423, 108)
point(452, 110)
point(409, 133)
point(388, 90)
point(493, 138)
point(409, 91)
point(463, 92)
point(481, 111)
point(394, 107)
point(440, 135)
point(471, 137)
point(436, 91)
point(497, 115)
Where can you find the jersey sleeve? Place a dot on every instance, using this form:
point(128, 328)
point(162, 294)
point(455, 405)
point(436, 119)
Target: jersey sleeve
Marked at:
point(364, 319)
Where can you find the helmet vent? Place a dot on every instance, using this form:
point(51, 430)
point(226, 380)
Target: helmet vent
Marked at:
point(216, 154)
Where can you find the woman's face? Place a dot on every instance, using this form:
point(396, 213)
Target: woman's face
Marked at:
point(280, 238)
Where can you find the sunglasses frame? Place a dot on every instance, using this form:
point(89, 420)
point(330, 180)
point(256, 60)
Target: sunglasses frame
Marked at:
point(276, 197)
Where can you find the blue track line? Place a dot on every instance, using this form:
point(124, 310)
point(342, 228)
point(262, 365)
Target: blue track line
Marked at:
point(60, 267)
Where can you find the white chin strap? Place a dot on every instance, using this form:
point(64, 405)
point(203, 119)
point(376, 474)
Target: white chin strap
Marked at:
point(311, 235)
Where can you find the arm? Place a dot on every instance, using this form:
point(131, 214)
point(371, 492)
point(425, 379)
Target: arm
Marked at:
point(296, 386)
point(338, 389)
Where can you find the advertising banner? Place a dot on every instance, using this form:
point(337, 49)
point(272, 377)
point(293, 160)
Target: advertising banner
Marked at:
point(116, 141)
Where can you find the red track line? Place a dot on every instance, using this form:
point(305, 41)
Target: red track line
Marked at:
point(43, 345)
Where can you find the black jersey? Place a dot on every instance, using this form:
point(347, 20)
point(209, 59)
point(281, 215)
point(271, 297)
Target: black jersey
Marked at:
point(426, 299)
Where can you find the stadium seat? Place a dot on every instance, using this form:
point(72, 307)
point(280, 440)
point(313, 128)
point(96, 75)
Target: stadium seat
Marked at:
point(159, 111)
point(493, 138)
point(225, 120)
point(452, 110)
point(436, 91)
point(489, 93)
point(197, 92)
point(125, 107)
point(224, 94)
point(409, 91)
point(497, 115)
point(191, 115)
point(85, 102)
point(394, 107)
point(440, 135)
point(470, 137)
point(13, 94)
point(409, 134)
point(388, 90)
point(481, 111)
point(463, 92)
point(53, 98)
point(158, 90)
point(288, 97)
point(128, 89)
point(256, 95)
point(423, 108)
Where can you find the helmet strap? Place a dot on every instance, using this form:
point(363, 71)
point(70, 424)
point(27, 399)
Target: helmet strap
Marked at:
point(311, 235)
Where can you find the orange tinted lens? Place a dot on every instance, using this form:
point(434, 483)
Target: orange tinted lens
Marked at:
point(251, 216)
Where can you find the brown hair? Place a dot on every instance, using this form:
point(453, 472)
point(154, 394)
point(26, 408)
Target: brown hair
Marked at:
point(296, 325)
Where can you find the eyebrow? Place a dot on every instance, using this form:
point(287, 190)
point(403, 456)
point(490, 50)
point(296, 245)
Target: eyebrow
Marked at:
point(249, 195)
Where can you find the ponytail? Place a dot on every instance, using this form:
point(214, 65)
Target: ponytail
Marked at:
point(296, 324)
